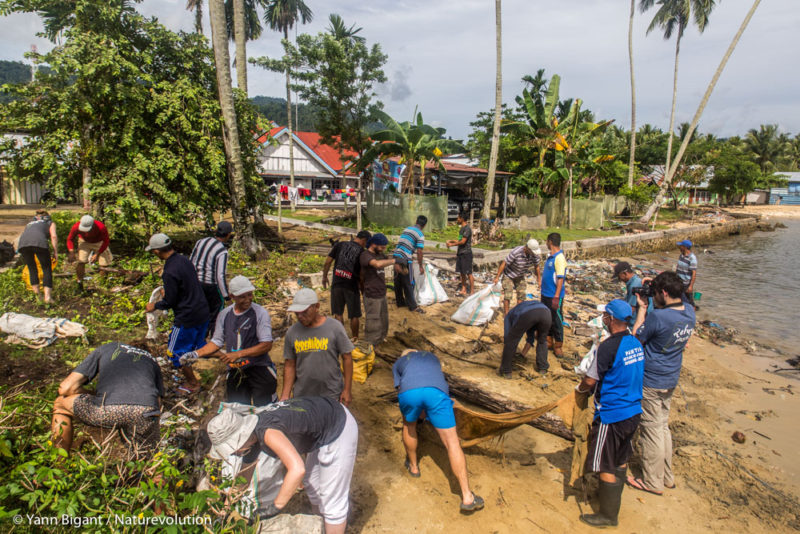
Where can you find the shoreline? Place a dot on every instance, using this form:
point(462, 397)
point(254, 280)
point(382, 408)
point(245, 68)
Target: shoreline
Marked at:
point(768, 211)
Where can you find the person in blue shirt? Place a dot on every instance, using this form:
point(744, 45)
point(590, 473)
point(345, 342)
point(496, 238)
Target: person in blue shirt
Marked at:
point(423, 392)
point(532, 319)
point(615, 377)
point(664, 333)
point(411, 242)
point(624, 273)
point(554, 289)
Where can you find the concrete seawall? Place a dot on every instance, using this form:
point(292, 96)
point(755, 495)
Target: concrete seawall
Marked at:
point(629, 244)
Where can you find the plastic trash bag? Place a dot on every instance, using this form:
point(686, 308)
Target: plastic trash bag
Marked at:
point(363, 361)
point(478, 308)
point(599, 335)
point(26, 275)
point(427, 289)
point(154, 316)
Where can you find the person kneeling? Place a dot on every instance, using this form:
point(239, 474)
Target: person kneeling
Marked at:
point(423, 391)
point(324, 431)
point(129, 388)
point(616, 378)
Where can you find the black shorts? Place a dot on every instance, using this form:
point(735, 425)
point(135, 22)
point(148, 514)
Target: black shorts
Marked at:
point(341, 296)
point(464, 263)
point(610, 444)
point(255, 385)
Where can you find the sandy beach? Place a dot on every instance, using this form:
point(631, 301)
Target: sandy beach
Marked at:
point(769, 211)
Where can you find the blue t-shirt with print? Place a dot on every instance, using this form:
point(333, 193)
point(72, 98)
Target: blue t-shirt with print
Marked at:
point(664, 336)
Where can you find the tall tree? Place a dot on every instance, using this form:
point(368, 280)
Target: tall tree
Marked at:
point(230, 130)
point(197, 7)
point(240, 38)
point(766, 146)
point(632, 158)
point(659, 198)
point(281, 16)
point(672, 17)
point(498, 108)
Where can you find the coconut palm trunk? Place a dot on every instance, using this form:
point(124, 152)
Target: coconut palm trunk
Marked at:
point(498, 105)
point(240, 38)
point(674, 97)
point(293, 201)
point(230, 131)
point(651, 210)
point(632, 158)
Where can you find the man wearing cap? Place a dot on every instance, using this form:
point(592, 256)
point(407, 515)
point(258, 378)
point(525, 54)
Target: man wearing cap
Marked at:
point(529, 318)
point(373, 264)
point(244, 330)
point(554, 288)
point(344, 256)
point(184, 296)
point(318, 427)
point(615, 379)
point(687, 269)
point(311, 352)
point(663, 333)
point(127, 396)
point(423, 392)
point(210, 260)
point(515, 268)
point(92, 241)
point(464, 254)
point(624, 273)
point(411, 242)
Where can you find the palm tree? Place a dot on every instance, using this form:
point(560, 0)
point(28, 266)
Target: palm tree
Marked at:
point(341, 32)
point(281, 16)
point(700, 108)
point(230, 131)
point(632, 159)
point(197, 7)
point(240, 39)
point(672, 17)
point(498, 106)
point(766, 146)
point(414, 142)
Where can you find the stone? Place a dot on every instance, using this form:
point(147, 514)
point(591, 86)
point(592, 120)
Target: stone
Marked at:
point(738, 437)
point(311, 280)
point(292, 524)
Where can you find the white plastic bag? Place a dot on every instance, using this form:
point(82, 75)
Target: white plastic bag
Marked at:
point(154, 316)
point(427, 289)
point(599, 336)
point(38, 332)
point(478, 308)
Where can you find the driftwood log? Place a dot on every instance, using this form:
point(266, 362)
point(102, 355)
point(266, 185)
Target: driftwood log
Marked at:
point(470, 392)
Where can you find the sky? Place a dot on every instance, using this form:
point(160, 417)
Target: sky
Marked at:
point(441, 58)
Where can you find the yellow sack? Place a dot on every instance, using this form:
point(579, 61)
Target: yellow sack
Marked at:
point(363, 360)
point(26, 275)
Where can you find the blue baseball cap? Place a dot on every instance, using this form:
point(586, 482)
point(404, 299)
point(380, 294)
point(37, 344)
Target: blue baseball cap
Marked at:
point(685, 243)
point(378, 239)
point(619, 309)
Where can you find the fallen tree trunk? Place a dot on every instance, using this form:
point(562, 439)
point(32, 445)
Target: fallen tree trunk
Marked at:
point(468, 391)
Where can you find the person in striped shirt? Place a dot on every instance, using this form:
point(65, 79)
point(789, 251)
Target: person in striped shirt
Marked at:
point(515, 268)
point(210, 260)
point(412, 241)
point(687, 269)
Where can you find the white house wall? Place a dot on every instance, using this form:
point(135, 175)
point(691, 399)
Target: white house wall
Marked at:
point(275, 160)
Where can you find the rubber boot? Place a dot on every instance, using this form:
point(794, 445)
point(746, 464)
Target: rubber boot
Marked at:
point(621, 473)
point(557, 348)
point(610, 497)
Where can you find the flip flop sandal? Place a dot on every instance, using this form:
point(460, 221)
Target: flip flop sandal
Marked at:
point(477, 504)
point(408, 468)
point(638, 483)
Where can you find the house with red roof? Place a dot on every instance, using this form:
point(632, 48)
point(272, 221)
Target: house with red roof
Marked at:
point(319, 169)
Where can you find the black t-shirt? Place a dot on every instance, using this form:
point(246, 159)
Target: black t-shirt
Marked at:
point(346, 268)
point(125, 375)
point(374, 279)
point(183, 293)
point(465, 231)
point(308, 422)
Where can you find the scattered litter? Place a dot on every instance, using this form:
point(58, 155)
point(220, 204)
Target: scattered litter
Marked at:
point(738, 437)
point(155, 316)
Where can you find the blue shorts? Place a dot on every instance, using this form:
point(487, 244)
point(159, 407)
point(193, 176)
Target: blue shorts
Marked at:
point(185, 339)
point(438, 406)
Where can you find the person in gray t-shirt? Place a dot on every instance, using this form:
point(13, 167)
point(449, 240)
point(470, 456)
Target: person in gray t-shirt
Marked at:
point(311, 352)
point(127, 397)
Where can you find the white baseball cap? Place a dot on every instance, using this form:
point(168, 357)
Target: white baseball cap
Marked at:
point(533, 246)
point(158, 241)
point(240, 285)
point(87, 221)
point(303, 300)
point(228, 431)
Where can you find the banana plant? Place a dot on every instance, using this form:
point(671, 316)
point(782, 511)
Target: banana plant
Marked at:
point(414, 142)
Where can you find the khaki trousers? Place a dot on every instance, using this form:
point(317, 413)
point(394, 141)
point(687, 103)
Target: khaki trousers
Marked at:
point(376, 327)
point(655, 439)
